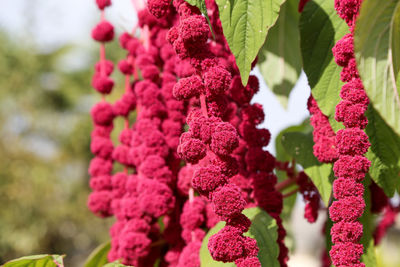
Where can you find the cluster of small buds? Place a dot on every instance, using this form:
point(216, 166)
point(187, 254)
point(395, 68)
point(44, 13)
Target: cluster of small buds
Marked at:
point(324, 137)
point(351, 143)
point(310, 195)
point(151, 150)
point(210, 141)
point(102, 113)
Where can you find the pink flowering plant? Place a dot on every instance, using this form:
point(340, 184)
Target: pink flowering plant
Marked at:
point(197, 185)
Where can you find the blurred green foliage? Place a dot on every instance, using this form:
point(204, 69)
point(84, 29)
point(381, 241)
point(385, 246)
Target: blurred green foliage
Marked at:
point(44, 153)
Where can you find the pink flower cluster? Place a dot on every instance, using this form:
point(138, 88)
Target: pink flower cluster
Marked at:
point(184, 77)
point(210, 141)
point(324, 148)
point(352, 143)
point(101, 166)
point(149, 193)
point(231, 168)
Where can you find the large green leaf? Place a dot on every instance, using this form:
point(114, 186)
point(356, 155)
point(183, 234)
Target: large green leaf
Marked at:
point(377, 48)
point(300, 147)
point(263, 228)
point(245, 24)
point(279, 59)
point(44, 260)
point(282, 155)
point(384, 153)
point(320, 28)
point(99, 256)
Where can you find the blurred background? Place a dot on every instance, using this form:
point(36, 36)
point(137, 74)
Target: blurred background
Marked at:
point(46, 64)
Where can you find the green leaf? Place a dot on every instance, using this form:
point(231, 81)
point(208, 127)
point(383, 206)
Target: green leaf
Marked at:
point(300, 147)
point(43, 260)
point(384, 153)
point(320, 29)
point(245, 24)
point(282, 155)
point(99, 256)
point(263, 228)
point(279, 59)
point(377, 49)
point(114, 264)
point(201, 4)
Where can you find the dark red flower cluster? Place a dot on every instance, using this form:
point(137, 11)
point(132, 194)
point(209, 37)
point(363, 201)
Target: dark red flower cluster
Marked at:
point(388, 220)
point(352, 143)
point(324, 148)
point(310, 195)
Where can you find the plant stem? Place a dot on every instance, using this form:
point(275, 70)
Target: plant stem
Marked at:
point(285, 184)
point(290, 193)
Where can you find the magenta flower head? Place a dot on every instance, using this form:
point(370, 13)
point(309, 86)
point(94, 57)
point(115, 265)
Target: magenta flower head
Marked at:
point(228, 201)
point(343, 187)
point(192, 216)
point(207, 179)
point(227, 245)
point(102, 84)
point(346, 254)
point(347, 209)
point(352, 141)
point(190, 255)
point(103, 32)
point(192, 150)
point(224, 139)
point(101, 147)
point(343, 50)
point(102, 182)
point(193, 30)
point(134, 244)
point(108, 66)
point(102, 113)
point(216, 81)
point(188, 87)
point(103, 3)
point(352, 115)
point(354, 92)
point(348, 9)
point(99, 166)
point(349, 72)
point(158, 8)
point(346, 232)
point(99, 203)
point(351, 167)
point(248, 262)
point(239, 222)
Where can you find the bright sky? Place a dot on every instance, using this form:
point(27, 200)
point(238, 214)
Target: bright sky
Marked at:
point(54, 23)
